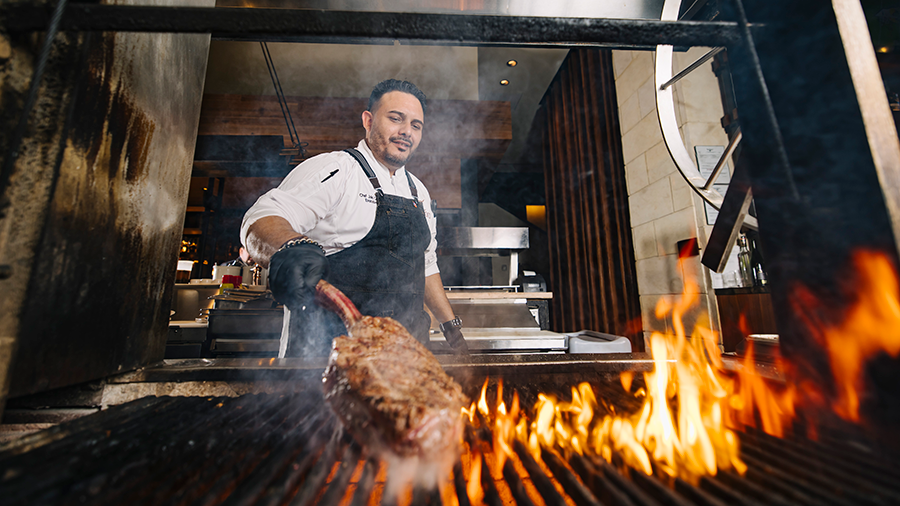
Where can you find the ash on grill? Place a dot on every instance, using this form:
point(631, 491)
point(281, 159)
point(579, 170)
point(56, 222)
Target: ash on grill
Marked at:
point(285, 449)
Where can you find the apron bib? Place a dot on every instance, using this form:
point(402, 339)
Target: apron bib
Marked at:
point(383, 274)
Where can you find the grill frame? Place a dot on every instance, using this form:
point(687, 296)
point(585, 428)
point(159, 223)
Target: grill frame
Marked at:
point(283, 448)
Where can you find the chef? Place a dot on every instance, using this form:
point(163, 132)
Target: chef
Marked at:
point(359, 220)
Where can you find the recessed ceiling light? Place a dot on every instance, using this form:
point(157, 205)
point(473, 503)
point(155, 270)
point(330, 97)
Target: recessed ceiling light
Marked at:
point(512, 63)
point(883, 49)
point(504, 82)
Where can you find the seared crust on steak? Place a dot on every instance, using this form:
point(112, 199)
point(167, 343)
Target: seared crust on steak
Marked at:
point(389, 391)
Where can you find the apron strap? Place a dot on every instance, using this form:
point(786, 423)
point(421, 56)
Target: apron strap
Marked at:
point(371, 174)
point(412, 187)
point(365, 167)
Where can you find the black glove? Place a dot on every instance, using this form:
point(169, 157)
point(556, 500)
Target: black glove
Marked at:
point(455, 338)
point(294, 272)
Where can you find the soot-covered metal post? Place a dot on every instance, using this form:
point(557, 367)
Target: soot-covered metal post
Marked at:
point(95, 203)
point(824, 164)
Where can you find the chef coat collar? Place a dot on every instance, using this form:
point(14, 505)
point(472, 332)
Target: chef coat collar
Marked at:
point(363, 147)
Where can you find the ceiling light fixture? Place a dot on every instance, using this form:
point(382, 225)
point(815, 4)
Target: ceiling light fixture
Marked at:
point(504, 82)
point(512, 63)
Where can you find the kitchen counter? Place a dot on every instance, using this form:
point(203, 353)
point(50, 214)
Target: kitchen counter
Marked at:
point(743, 290)
point(475, 294)
point(299, 369)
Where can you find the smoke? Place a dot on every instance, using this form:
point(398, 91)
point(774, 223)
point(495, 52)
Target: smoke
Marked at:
point(416, 473)
point(311, 332)
point(342, 70)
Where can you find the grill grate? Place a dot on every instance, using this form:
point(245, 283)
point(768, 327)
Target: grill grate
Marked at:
point(289, 449)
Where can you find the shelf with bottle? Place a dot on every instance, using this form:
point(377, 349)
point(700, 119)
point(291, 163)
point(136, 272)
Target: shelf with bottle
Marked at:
point(749, 273)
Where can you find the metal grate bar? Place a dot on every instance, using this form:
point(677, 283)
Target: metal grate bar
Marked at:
point(516, 487)
point(855, 464)
point(338, 487)
point(127, 468)
point(316, 478)
point(726, 494)
point(219, 450)
point(491, 496)
point(34, 449)
point(240, 457)
point(750, 489)
point(573, 487)
point(658, 491)
point(254, 475)
point(848, 443)
point(807, 474)
point(388, 499)
point(366, 484)
point(603, 489)
point(830, 470)
point(696, 494)
point(59, 465)
point(285, 485)
point(795, 491)
point(540, 480)
point(275, 450)
point(633, 492)
point(309, 435)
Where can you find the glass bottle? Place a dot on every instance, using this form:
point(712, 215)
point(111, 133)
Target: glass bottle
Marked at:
point(744, 266)
point(757, 265)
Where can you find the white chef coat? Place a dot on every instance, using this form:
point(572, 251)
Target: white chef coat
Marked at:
point(329, 199)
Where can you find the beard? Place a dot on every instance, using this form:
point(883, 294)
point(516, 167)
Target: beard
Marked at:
point(381, 145)
point(399, 159)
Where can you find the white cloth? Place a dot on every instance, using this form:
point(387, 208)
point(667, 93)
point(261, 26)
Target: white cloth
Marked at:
point(329, 199)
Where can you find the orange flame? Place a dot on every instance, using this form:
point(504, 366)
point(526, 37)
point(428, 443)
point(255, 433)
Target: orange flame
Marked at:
point(504, 427)
point(871, 326)
point(680, 429)
point(689, 441)
point(685, 425)
point(753, 396)
point(626, 378)
point(473, 487)
point(482, 402)
point(690, 406)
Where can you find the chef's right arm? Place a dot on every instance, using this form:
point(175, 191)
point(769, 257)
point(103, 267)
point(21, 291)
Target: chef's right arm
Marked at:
point(266, 235)
point(295, 262)
point(273, 233)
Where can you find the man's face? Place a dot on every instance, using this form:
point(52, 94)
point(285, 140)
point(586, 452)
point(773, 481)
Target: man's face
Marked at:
point(394, 128)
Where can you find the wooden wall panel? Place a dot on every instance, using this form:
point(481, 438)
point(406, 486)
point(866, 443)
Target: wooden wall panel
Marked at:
point(442, 177)
point(591, 253)
point(453, 128)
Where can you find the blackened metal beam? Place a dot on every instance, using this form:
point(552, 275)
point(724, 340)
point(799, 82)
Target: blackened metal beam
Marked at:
point(730, 219)
point(288, 24)
point(206, 168)
point(826, 190)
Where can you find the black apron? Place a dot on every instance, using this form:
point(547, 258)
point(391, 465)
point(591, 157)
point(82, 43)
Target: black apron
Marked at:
point(383, 274)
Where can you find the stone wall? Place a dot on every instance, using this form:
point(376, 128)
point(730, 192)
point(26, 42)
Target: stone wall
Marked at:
point(664, 209)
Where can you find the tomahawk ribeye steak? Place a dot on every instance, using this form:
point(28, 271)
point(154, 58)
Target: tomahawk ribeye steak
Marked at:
point(389, 391)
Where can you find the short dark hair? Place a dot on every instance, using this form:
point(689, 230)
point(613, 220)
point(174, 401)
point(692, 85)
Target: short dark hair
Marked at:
point(389, 85)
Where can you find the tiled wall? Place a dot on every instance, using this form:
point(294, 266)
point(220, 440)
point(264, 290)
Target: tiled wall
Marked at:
point(664, 209)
